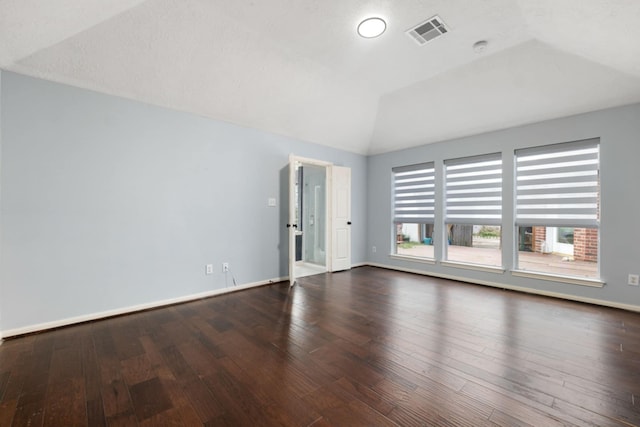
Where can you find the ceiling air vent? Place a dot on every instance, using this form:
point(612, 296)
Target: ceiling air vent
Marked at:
point(430, 29)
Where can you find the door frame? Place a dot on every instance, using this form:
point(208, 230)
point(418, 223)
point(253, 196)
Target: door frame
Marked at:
point(558, 247)
point(298, 160)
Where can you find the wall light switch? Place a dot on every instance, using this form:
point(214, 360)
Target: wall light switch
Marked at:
point(634, 280)
point(271, 202)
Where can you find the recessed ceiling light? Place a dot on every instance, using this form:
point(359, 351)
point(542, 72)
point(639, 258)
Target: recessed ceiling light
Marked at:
point(372, 27)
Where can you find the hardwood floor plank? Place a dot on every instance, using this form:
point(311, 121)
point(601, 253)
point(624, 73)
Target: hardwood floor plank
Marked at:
point(201, 361)
point(168, 418)
point(66, 404)
point(122, 420)
point(95, 413)
point(4, 382)
point(16, 379)
point(149, 399)
point(116, 399)
point(356, 413)
point(259, 385)
point(7, 412)
point(581, 416)
point(325, 398)
point(90, 370)
point(201, 398)
point(136, 369)
point(514, 408)
point(29, 414)
point(505, 420)
point(175, 361)
point(125, 341)
point(66, 364)
point(366, 395)
point(239, 403)
point(340, 364)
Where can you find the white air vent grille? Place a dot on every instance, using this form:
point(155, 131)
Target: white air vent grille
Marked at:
point(428, 30)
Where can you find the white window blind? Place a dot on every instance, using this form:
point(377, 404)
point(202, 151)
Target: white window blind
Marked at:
point(413, 193)
point(558, 185)
point(474, 190)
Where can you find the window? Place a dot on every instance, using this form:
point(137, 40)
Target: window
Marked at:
point(413, 209)
point(474, 209)
point(557, 208)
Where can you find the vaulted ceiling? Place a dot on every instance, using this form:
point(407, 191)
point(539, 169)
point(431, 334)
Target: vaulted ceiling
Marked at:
point(298, 67)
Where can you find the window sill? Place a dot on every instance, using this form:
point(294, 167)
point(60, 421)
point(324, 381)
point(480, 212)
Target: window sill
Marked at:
point(413, 259)
point(594, 283)
point(476, 267)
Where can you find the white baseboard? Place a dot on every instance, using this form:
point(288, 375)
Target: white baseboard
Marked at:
point(570, 297)
point(132, 309)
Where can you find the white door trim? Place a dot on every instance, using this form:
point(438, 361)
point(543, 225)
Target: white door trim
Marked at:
point(561, 248)
point(291, 228)
point(293, 160)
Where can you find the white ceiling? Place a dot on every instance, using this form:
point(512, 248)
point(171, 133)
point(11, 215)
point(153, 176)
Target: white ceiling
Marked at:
point(298, 68)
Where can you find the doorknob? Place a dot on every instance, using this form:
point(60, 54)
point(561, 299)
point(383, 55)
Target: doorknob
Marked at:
point(292, 225)
point(348, 222)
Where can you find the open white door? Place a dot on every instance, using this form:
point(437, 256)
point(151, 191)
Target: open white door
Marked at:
point(292, 225)
point(341, 218)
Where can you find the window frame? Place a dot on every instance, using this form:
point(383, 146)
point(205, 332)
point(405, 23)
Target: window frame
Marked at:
point(566, 170)
point(413, 201)
point(473, 195)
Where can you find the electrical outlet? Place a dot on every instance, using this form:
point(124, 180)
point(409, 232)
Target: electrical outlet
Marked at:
point(634, 280)
point(208, 269)
point(225, 267)
point(373, 249)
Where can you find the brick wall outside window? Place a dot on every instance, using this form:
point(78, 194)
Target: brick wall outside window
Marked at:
point(540, 235)
point(585, 244)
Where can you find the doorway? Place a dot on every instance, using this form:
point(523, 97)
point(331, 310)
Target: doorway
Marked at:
point(311, 217)
point(319, 217)
point(561, 240)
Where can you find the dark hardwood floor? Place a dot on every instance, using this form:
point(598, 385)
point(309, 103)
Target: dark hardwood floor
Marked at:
point(366, 347)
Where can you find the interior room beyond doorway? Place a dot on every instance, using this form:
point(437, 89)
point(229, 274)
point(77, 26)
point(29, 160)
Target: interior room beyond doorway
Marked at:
point(311, 217)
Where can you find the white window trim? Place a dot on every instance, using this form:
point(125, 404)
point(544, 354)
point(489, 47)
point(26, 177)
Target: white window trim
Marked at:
point(476, 267)
point(572, 280)
point(430, 261)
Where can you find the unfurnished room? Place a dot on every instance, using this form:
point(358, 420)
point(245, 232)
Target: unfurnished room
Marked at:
point(319, 213)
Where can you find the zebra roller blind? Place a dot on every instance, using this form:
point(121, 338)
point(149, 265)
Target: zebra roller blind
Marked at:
point(474, 190)
point(558, 185)
point(413, 193)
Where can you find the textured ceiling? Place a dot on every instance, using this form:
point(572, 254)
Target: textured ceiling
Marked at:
point(298, 68)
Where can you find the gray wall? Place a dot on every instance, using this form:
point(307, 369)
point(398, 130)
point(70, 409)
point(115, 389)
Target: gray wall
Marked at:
point(109, 203)
point(619, 130)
